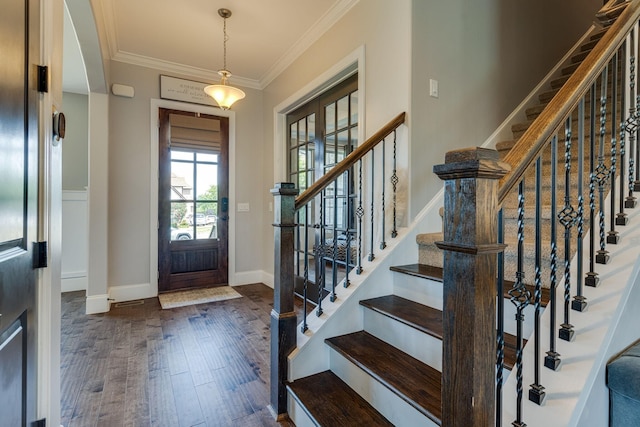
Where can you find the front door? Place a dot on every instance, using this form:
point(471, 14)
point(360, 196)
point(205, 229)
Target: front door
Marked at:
point(193, 200)
point(19, 48)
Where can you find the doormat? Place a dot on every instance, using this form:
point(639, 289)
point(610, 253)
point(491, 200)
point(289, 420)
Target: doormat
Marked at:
point(197, 296)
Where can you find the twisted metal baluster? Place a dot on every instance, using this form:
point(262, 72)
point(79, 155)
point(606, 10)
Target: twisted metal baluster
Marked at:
point(579, 302)
point(602, 172)
point(359, 214)
point(334, 261)
point(373, 194)
point(592, 278)
point(304, 327)
point(567, 217)
point(520, 297)
point(383, 242)
point(500, 322)
point(621, 216)
point(320, 249)
point(536, 390)
point(394, 183)
point(613, 237)
point(347, 254)
point(631, 124)
point(552, 359)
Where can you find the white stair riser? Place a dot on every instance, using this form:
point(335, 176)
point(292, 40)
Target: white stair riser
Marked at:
point(297, 414)
point(390, 405)
point(415, 343)
point(424, 291)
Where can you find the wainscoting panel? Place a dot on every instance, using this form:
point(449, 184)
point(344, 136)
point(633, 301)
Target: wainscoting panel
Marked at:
point(74, 241)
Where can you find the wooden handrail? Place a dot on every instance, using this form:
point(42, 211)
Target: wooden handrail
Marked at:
point(348, 161)
point(529, 146)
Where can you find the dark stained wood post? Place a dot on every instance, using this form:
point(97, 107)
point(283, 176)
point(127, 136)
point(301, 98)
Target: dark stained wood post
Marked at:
point(469, 307)
point(283, 316)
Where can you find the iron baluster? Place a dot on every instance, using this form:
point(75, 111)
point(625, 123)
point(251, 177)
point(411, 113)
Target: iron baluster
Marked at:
point(500, 322)
point(383, 243)
point(334, 261)
point(536, 390)
point(567, 217)
point(347, 254)
point(602, 172)
point(394, 183)
point(520, 297)
point(592, 278)
point(621, 216)
point(373, 195)
point(320, 258)
point(613, 236)
point(305, 285)
point(359, 214)
point(552, 359)
point(631, 124)
point(579, 302)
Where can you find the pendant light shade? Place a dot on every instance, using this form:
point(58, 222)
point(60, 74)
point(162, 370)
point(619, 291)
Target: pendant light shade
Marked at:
point(222, 93)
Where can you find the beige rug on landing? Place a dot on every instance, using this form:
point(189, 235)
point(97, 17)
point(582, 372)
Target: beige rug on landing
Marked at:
point(197, 296)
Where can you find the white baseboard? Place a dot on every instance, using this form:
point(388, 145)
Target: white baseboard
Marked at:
point(256, 276)
point(97, 304)
point(76, 281)
point(132, 292)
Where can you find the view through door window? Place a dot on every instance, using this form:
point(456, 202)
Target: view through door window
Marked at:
point(194, 195)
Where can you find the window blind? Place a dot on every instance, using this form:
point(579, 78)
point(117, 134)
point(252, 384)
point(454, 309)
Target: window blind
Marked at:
point(195, 133)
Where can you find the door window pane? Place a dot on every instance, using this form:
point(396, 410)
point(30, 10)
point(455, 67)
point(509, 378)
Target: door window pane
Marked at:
point(194, 195)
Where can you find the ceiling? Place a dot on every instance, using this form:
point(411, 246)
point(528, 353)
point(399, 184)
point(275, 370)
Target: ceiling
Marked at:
point(186, 37)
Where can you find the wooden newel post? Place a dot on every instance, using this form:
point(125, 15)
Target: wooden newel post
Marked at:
point(469, 307)
point(283, 316)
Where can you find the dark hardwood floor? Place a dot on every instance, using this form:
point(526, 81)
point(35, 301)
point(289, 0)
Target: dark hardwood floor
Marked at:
point(139, 365)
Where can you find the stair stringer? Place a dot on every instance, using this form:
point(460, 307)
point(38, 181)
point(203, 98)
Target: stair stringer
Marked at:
point(578, 387)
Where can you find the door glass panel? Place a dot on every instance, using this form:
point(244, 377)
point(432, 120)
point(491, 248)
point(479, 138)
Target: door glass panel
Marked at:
point(194, 195)
point(330, 118)
point(343, 112)
point(354, 107)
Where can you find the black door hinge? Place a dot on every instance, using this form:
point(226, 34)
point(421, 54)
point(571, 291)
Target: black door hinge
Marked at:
point(39, 423)
point(43, 78)
point(39, 254)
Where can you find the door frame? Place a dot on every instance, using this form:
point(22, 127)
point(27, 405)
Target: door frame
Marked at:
point(349, 65)
point(156, 104)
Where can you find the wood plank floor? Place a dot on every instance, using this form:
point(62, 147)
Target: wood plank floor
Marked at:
point(139, 365)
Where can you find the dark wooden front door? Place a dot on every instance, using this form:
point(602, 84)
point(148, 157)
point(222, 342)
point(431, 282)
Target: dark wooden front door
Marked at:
point(19, 48)
point(193, 201)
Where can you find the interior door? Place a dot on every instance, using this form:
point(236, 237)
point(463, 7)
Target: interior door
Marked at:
point(193, 201)
point(19, 45)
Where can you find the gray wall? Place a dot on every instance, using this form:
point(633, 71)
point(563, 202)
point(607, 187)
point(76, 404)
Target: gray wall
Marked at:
point(129, 176)
point(75, 155)
point(487, 56)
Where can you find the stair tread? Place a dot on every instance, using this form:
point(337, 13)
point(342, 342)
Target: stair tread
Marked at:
point(330, 401)
point(415, 382)
point(435, 273)
point(419, 270)
point(421, 317)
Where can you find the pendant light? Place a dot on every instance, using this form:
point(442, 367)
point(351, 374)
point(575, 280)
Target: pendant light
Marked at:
point(224, 94)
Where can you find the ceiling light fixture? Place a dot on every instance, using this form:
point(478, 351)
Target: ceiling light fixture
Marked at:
point(224, 94)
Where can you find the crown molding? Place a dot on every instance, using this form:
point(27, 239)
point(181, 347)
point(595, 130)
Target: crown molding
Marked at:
point(321, 26)
point(176, 68)
point(328, 20)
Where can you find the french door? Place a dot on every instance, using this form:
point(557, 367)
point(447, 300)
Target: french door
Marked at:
point(193, 209)
point(322, 133)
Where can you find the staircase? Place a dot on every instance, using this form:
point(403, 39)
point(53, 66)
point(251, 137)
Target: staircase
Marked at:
point(386, 366)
